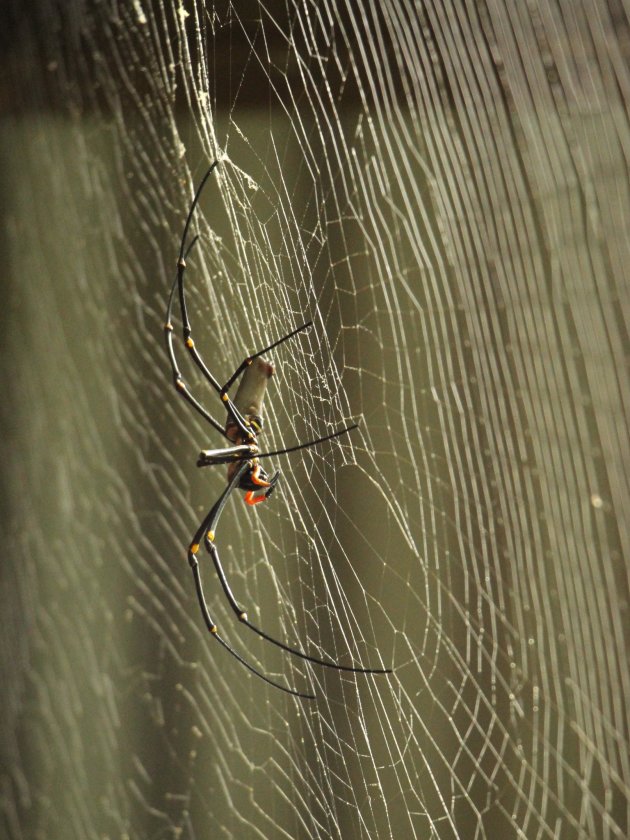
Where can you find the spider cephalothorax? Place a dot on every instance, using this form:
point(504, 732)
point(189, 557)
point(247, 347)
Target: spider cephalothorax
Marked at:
point(243, 425)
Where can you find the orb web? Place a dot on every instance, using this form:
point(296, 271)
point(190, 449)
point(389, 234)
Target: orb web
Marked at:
point(442, 190)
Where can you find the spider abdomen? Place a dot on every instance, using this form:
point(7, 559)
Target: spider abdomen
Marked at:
point(249, 397)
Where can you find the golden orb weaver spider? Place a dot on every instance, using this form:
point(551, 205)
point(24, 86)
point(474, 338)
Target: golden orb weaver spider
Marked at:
point(243, 425)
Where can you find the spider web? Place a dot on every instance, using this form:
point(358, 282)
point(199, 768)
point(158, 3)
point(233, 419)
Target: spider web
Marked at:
point(443, 189)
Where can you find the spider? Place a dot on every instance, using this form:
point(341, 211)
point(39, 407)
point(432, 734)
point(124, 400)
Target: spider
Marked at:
point(243, 425)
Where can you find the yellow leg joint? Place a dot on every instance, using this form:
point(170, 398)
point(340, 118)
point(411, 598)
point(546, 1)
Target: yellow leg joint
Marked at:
point(213, 629)
point(210, 536)
point(168, 327)
point(194, 548)
point(190, 343)
point(242, 616)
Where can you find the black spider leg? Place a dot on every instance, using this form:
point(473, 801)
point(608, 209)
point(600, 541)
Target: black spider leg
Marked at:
point(306, 445)
point(240, 421)
point(178, 382)
point(246, 362)
point(245, 452)
point(193, 550)
point(210, 523)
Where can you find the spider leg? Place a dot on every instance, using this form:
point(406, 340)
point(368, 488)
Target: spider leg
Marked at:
point(178, 382)
point(210, 524)
point(309, 443)
point(187, 329)
point(210, 624)
point(246, 362)
point(213, 630)
point(244, 452)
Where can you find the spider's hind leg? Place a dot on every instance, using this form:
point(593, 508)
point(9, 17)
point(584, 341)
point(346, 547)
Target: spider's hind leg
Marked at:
point(207, 531)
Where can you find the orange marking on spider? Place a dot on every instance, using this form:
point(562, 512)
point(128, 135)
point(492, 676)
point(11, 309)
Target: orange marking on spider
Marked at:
point(255, 477)
point(251, 499)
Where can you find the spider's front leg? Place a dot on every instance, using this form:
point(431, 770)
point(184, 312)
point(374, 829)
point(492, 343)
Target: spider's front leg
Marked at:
point(246, 431)
point(187, 329)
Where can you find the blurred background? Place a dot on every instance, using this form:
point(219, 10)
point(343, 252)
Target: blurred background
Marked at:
point(442, 188)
